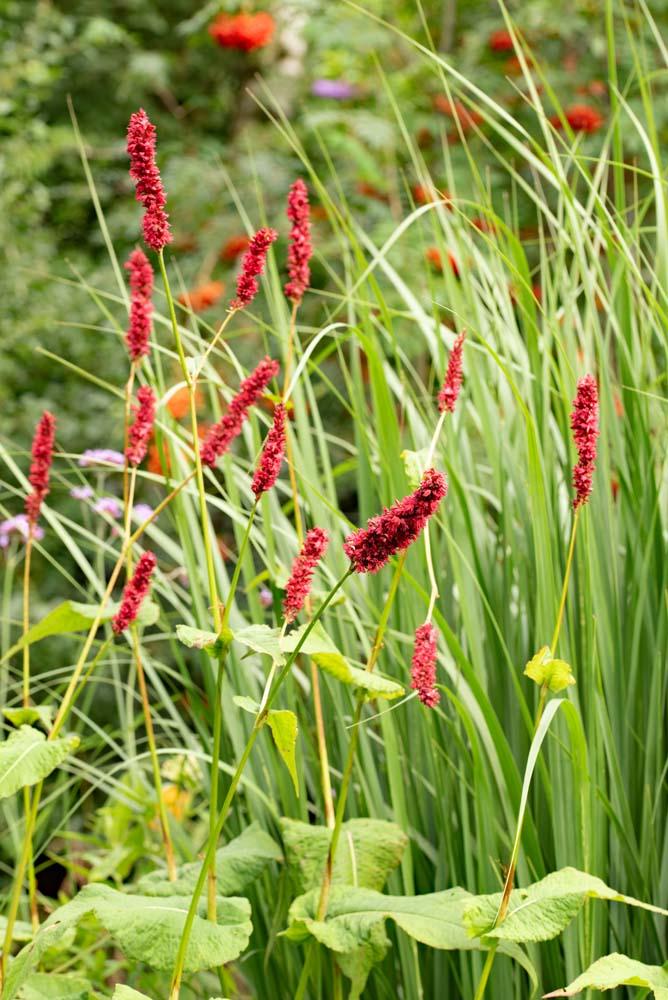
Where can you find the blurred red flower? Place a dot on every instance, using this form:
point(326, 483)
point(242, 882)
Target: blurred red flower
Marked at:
point(433, 255)
point(456, 110)
point(581, 118)
point(202, 297)
point(234, 247)
point(242, 31)
point(501, 41)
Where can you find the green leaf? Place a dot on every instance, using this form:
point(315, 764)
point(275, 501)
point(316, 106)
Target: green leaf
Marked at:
point(322, 650)
point(542, 669)
point(368, 851)
point(48, 986)
point(618, 970)
point(284, 728)
point(238, 864)
point(22, 930)
point(26, 757)
point(127, 993)
point(415, 463)
point(26, 716)
point(261, 639)
point(197, 638)
point(355, 926)
point(246, 704)
point(542, 910)
point(53, 932)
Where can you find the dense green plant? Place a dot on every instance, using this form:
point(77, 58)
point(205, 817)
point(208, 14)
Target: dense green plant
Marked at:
point(349, 813)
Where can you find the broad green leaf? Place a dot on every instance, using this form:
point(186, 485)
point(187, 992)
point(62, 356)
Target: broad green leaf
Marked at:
point(261, 639)
point(368, 851)
point(26, 757)
point(542, 910)
point(127, 993)
point(284, 728)
point(322, 650)
point(543, 669)
point(22, 930)
point(26, 716)
point(238, 864)
point(355, 926)
point(48, 986)
point(197, 638)
point(56, 930)
point(618, 970)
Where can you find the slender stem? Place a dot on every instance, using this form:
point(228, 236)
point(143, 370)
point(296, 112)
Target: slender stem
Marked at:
point(32, 884)
point(216, 337)
point(564, 589)
point(155, 764)
point(302, 985)
point(487, 968)
point(237, 569)
point(174, 321)
point(211, 846)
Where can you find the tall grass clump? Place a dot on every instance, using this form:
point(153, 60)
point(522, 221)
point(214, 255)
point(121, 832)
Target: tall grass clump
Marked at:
point(358, 681)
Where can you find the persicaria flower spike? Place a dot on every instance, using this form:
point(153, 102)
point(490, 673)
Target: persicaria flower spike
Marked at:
point(447, 397)
point(584, 424)
point(397, 527)
point(300, 249)
point(144, 172)
point(141, 307)
point(271, 458)
point(135, 592)
point(252, 267)
point(140, 431)
point(303, 568)
point(42, 455)
point(222, 434)
point(423, 665)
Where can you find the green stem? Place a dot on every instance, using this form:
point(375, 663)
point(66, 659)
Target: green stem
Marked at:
point(564, 589)
point(487, 968)
point(220, 823)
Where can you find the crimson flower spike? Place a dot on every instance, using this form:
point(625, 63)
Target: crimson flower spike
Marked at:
point(303, 568)
point(135, 592)
point(447, 397)
point(42, 455)
point(138, 335)
point(397, 527)
point(271, 458)
point(140, 431)
point(584, 424)
point(300, 249)
point(252, 267)
point(144, 172)
point(423, 665)
point(221, 435)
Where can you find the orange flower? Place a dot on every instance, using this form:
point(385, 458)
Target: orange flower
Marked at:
point(370, 191)
point(233, 248)
point(433, 255)
point(424, 195)
point(483, 225)
point(457, 111)
point(581, 118)
point(178, 403)
point(177, 800)
point(242, 31)
point(155, 463)
point(203, 297)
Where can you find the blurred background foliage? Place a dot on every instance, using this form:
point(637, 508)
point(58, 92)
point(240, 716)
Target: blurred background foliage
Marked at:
point(216, 145)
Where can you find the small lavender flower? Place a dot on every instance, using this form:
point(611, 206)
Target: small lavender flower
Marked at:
point(81, 492)
point(266, 597)
point(336, 90)
point(142, 511)
point(108, 505)
point(19, 525)
point(102, 456)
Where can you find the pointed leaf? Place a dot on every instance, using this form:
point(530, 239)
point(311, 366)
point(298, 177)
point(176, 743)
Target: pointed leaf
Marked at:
point(238, 864)
point(618, 970)
point(26, 716)
point(261, 639)
point(71, 616)
point(284, 729)
point(26, 757)
point(542, 910)
point(123, 992)
point(197, 638)
point(543, 669)
point(368, 851)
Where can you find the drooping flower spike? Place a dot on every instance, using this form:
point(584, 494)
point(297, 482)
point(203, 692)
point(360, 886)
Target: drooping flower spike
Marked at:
point(300, 249)
point(447, 397)
point(303, 568)
point(584, 424)
point(138, 335)
point(252, 267)
point(271, 458)
point(135, 592)
point(423, 665)
point(397, 527)
point(222, 434)
point(140, 431)
point(144, 172)
point(42, 455)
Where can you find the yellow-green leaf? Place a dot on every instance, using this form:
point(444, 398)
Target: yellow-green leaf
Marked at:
point(284, 729)
point(543, 669)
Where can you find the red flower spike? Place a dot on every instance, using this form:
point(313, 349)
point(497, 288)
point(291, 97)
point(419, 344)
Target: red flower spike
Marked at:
point(271, 458)
point(221, 435)
point(144, 172)
point(138, 335)
point(42, 456)
point(447, 397)
point(397, 527)
point(252, 267)
point(135, 592)
point(423, 665)
point(584, 424)
point(303, 568)
point(300, 249)
point(140, 431)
